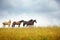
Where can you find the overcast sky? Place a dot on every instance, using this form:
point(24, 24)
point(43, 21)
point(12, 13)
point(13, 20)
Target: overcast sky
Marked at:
point(46, 12)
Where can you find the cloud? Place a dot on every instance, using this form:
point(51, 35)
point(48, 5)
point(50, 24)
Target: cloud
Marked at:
point(30, 5)
point(47, 11)
point(58, 1)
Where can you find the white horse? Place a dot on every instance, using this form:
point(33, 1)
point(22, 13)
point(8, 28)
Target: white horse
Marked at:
point(7, 23)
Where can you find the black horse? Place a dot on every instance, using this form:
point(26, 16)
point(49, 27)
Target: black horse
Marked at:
point(30, 22)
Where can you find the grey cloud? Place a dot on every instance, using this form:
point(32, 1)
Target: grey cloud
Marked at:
point(33, 7)
point(58, 1)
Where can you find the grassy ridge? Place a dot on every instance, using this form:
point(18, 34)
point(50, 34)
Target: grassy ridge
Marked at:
point(40, 33)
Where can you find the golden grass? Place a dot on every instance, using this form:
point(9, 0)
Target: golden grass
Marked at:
point(39, 33)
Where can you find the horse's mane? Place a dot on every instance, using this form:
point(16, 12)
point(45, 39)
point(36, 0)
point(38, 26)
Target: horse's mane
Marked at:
point(30, 20)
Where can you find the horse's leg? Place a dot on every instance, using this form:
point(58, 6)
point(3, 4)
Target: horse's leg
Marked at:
point(27, 25)
point(19, 25)
point(23, 24)
point(13, 25)
point(9, 25)
point(3, 25)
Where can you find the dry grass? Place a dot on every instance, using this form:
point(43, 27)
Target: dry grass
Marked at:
point(39, 33)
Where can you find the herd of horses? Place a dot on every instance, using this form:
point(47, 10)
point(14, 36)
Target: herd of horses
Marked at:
point(27, 23)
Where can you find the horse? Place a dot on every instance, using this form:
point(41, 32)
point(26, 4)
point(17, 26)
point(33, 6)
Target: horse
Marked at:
point(30, 22)
point(7, 23)
point(17, 23)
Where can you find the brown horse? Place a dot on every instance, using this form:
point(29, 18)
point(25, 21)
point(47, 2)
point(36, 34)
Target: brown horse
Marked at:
point(30, 22)
point(17, 23)
point(7, 23)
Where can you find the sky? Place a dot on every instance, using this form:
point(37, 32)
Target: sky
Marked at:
point(46, 12)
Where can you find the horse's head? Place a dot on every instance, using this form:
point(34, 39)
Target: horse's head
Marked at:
point(35, 21)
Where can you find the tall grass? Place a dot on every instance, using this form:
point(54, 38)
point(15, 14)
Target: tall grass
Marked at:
point(39, 33)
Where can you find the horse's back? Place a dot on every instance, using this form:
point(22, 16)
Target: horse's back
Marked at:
point(16, 23)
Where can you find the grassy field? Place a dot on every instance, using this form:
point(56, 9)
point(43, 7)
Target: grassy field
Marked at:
point(39, 33)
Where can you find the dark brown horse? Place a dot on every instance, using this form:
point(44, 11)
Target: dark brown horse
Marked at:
point(17, 23)
point(30, 22)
